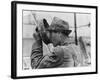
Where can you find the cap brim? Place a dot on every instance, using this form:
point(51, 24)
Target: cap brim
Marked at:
point(67, 32)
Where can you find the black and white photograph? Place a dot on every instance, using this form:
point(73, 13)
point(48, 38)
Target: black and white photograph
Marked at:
point(54, 40)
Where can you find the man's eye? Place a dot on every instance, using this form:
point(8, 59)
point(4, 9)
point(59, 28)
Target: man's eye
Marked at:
point(55, 31)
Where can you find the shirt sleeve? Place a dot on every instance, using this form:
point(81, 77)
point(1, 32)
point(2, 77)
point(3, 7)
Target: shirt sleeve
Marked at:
point(54, 60)
point(37, 50)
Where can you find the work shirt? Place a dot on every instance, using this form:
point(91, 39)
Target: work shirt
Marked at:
point(65, 55)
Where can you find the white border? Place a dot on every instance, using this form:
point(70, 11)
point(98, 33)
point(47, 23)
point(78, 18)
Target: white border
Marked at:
point(36, 72)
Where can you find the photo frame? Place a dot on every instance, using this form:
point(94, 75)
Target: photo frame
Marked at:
point(25, 16)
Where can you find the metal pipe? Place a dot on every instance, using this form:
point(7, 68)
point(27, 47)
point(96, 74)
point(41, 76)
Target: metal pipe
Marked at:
point(76, 42)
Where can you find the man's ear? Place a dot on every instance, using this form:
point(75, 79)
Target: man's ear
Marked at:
point(46, 25)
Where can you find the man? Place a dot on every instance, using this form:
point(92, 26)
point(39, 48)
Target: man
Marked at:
point(64, 53)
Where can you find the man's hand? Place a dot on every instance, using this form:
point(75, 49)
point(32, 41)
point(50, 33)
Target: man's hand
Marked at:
point(53, 60)
point(58, 51)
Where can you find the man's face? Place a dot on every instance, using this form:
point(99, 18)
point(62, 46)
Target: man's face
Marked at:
point(56, 38)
